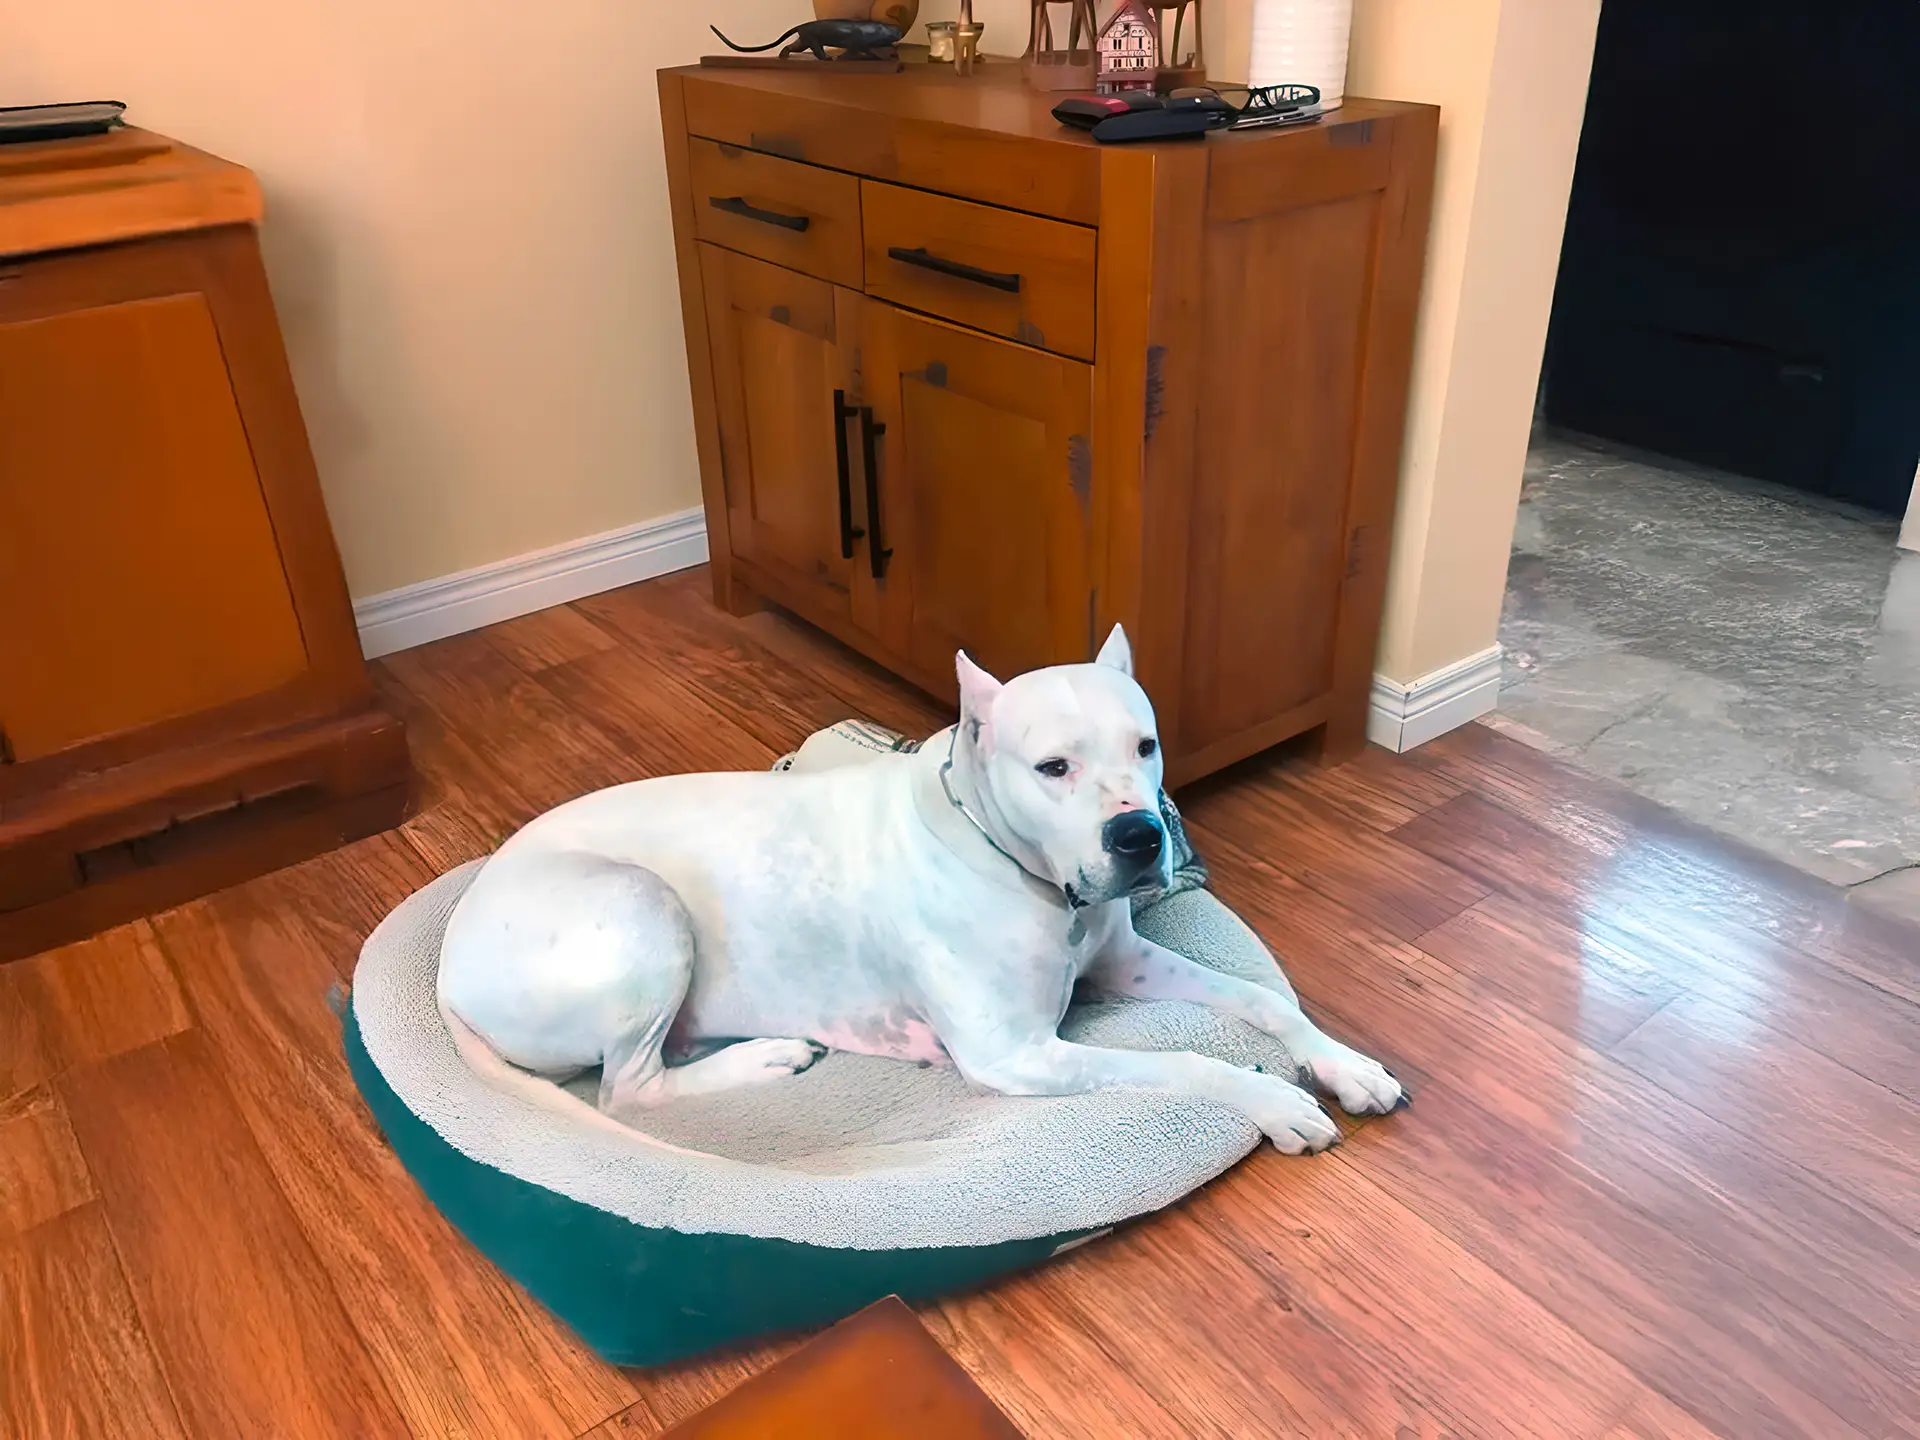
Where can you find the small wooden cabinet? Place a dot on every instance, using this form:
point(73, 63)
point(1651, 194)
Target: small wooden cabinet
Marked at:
point(182, 697)
point(962, 378)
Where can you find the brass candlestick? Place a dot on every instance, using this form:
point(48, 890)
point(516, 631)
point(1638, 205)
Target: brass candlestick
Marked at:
point(966, 40)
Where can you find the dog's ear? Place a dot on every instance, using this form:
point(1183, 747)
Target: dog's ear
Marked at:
point(978, 690)
point(1116, 653)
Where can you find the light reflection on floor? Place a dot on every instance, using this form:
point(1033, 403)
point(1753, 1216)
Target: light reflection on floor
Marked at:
point(1726, 648)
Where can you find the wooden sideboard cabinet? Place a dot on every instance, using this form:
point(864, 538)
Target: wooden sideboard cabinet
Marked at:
point(183, 702)
point(963, 378)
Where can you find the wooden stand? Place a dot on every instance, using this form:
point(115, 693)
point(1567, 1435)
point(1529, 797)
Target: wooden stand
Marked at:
point(1053, 68)
point(1027, 385)
point(876, 1375)
point(889, 65)
point(183, 702)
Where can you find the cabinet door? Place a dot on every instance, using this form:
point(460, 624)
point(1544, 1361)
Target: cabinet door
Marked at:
point(982, 492)
point(140, 577)
point(779, 373)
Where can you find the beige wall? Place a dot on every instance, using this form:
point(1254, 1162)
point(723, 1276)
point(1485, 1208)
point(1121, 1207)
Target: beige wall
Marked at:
point(467, 237)
point(1511, 79)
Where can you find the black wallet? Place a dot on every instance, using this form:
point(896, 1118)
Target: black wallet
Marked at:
point(21, 123)
point(1117, 119)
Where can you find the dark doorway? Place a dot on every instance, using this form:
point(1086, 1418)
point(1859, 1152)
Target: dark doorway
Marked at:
point(1740, 280)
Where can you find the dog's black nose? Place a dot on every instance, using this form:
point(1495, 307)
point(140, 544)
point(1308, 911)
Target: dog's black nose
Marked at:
point(1135, 835)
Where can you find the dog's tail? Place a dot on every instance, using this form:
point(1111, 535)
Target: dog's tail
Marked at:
point(755, 49)
point(484, 1061)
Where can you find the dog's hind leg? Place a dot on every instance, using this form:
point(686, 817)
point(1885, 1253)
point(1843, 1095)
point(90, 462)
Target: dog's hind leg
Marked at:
point(562, 961)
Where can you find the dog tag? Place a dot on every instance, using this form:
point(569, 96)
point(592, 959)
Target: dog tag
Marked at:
point(1077, 931)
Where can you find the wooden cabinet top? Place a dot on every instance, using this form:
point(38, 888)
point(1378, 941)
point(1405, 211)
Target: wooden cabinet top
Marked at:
point(987, 137)
point(128, 183)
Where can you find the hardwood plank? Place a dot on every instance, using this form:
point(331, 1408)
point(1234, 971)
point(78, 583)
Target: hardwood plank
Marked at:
point(1644, 908)
point(670, 1394)
point(508, 748)
point(1376, 788)
point(1207, 1367)
point(1295, 1260)
point(74, 1361)
point(769, 698)
point(100, 997)
point(247, 1329)
point(448, 825)
point(1827, 1010)
point(548, 637)
point(1339, 1248)
point(1692, 871)
point(869, 692)
point(461, 1350)
point(1656, 1231)
point(1505, 852)
point(663, 727)
point(877, 1374)
point(1554, 1239)
point(1810, 1111)
point(26, 1056)
point(341, 896)
point(1033, 1358)
point(637, 1420)
point(1579, 983)
point(1657, 1418)
point(42, 1174)
point(1408, 892)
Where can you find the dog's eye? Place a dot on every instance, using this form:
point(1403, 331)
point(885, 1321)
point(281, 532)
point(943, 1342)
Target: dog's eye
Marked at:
point(1053, 769)
point(1148, 746)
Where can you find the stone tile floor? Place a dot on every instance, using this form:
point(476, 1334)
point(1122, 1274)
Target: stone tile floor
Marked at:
point(1742, 653)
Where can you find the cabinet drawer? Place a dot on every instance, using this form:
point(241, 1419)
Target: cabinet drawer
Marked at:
point(800, 216)
point(997, 270)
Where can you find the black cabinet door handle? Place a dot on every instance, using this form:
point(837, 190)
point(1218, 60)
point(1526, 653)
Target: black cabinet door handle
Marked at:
point(849, 532)
point(877, 552)
point(737, 205)
point(926, 260)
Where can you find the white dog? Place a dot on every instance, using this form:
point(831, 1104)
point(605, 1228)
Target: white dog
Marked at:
point(935, 906)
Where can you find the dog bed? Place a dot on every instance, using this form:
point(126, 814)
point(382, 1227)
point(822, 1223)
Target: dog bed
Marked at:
point(796, 1202)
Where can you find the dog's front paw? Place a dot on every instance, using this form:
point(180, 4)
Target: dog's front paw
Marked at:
point(1362, 1086)
point(1293, 1120)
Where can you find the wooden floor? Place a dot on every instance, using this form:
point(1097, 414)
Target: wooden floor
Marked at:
point(1662, 1178)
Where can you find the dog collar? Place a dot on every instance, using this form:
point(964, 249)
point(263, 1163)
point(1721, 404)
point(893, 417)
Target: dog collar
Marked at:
point(946, 784)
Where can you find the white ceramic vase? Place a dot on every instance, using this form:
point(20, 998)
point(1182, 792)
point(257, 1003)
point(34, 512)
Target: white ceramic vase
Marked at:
point(1302, 42)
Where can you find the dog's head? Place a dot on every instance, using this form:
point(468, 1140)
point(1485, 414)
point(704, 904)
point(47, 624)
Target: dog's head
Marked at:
point(1067, 760)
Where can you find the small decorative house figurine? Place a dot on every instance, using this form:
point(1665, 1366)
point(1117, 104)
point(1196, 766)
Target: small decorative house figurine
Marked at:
point(1046, 65)
point(1127, 54)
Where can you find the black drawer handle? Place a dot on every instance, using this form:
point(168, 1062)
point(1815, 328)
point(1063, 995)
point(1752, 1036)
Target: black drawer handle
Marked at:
point(926, 261)
point(849, 532)
point(737, 205)
point(877, 552)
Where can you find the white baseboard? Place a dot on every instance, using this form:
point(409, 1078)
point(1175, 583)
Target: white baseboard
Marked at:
point(434, 609)
point(1404, 716)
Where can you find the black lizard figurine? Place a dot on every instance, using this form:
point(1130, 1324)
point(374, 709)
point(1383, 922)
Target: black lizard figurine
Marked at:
point(859, 38)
